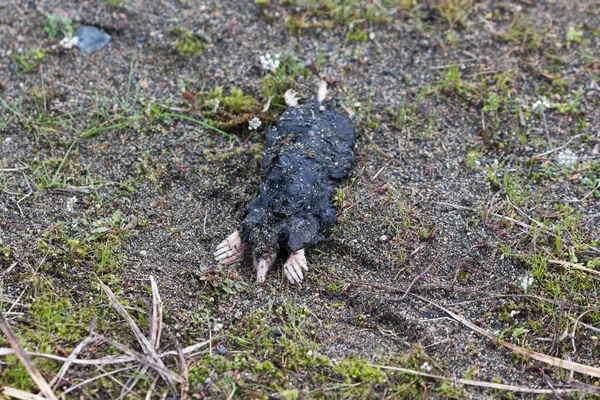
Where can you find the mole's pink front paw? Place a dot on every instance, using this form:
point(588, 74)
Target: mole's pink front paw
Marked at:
point(262, 266)
point(294, 265)
point(230, 250)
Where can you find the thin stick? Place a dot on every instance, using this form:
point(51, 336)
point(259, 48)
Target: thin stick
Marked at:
point(509, 219)
point(591, 192)
point(185, 385)
point(94, 361)
point(95, 378)
point(31, 369)
point(166, 373)
point(156, 317)
point(8, 270)
point(106, 360)
point(143, 341)
point(378, 172)
point(20, 200)
point(416, 279)
point(132, 381)
point(558, 148)
point(20, 394)
point(189, 349)
point(63, 370)
point(13, 169)
point(491, 385)
point(574, 266)
point(557, 362)
point(151, 390)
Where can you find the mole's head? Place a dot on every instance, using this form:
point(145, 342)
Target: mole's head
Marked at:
point(262, 234)
point(263, 238)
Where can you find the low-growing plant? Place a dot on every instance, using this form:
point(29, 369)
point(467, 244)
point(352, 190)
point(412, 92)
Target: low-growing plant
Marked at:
point(59, 22)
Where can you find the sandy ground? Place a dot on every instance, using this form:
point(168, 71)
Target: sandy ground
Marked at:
point(452, 199)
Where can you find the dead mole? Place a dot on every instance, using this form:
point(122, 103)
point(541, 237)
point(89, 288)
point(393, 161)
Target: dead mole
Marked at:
point(308, 153)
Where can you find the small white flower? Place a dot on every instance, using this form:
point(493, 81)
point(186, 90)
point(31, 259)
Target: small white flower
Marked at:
point(566, 159)
point(514, 313)
point(525, 283)
point(426, 367)
point(70, 203)
point(254, 123)
point(218, 327)
point(270, 63)
point(216, 105)
point(68, 42)
point(540, 106)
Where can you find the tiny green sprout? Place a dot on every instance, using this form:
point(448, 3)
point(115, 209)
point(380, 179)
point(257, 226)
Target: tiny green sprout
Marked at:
point(187, 44)
point(574, 36)
point(472, 158)
point(29, 60)
point(57, 23)
point(492, 102)
point(290, 394)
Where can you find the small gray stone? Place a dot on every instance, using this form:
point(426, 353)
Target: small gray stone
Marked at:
point(91, 39)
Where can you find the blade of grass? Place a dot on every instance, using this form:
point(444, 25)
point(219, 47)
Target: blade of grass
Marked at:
point(63, 162)
point(202, 123)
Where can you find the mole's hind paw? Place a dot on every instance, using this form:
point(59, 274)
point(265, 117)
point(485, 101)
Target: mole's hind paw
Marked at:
point(294, 265)
point(230, 250)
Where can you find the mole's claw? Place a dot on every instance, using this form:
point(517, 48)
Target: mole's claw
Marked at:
point(301, 259)
point(290, 98)
point(230, 250)
point(287, 275)
point(294, 265)
point(262, 266)
point(297, 268)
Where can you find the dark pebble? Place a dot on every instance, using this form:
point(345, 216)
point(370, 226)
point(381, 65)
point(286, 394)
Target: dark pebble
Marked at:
point(11, 67)
point(222, 350)
point(490, 82)
point(388, 72)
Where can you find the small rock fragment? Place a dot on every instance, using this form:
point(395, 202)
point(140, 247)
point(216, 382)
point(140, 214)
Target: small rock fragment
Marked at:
point(90, 39)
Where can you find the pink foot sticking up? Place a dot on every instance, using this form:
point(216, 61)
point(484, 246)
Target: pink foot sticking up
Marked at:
point(262, 266)
point(294, 265)
point(231, 250)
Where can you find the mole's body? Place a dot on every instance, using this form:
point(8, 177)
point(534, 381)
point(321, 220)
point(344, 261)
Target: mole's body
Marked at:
point(308, 153)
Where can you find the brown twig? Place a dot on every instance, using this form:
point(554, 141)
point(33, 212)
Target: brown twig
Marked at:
point(63, 370)
point(185, 385)
point(7, 271)
point(156, 315)
point(87, 341)
point(20, 394)
point(575, 266)
point(166, 373)
point(30, 367)
point(412, 283)
point(106, 360)
point(558, 148)
point(95, 378)
point(491, 385)
point(142, 340)
point(554, 361)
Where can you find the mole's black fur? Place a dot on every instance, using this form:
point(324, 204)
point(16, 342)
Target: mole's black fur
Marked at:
point(307, 155)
